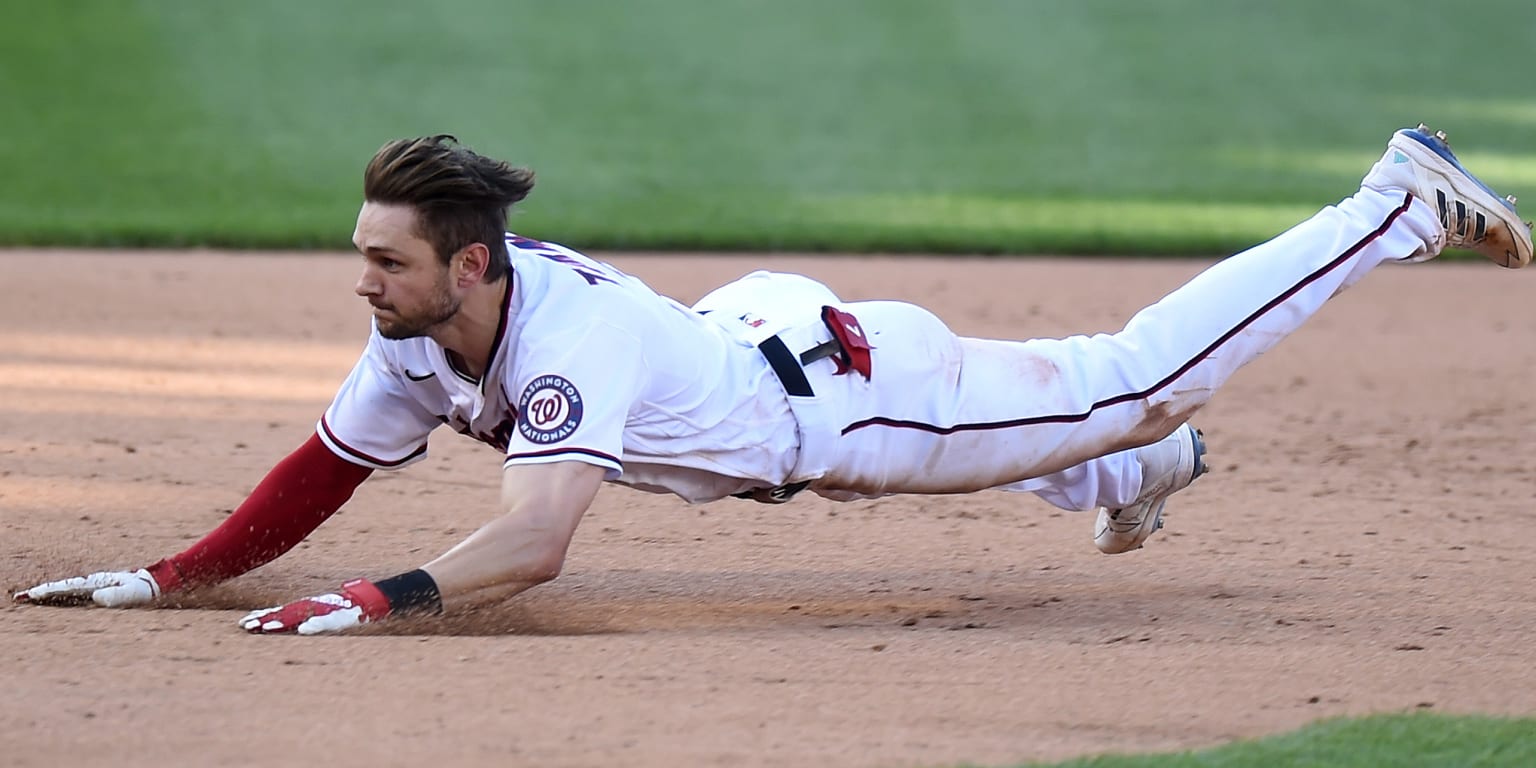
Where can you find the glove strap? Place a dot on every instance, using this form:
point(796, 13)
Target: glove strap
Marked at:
point(366, 595)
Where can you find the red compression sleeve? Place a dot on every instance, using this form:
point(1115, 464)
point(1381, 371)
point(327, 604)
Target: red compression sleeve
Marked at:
point(299, 494)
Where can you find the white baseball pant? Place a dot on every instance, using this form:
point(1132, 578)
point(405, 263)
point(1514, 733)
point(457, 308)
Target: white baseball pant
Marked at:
point(1057, 417)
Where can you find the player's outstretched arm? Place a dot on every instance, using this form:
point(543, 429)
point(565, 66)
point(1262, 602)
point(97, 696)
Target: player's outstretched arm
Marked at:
point(522, 548)
point(299, 494)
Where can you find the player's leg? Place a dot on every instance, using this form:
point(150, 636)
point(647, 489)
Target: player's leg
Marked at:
point(1175, 460)
point(1148, 474)
point(1038, 408)
point(1026, 409)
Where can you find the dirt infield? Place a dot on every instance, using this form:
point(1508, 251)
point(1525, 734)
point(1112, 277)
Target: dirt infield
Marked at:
point(1363, 544)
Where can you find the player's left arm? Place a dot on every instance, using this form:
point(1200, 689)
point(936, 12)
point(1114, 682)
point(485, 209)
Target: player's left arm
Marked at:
point(578, 383)
point(525, 546)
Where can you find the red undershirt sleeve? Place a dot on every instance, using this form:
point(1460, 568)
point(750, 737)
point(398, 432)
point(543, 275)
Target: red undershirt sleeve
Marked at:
point(299, 494)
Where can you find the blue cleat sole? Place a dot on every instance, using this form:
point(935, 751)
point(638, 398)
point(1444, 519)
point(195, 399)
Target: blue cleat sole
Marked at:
point(1439, 147)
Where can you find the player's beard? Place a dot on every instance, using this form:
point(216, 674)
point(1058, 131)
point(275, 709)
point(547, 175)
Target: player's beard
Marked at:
point(439, 308)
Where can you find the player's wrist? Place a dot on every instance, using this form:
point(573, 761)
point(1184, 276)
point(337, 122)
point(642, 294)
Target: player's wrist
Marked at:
point(413, 592)
point(167, 576)
point(365, 595)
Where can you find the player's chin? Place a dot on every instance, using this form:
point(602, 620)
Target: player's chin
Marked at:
point(395, 329)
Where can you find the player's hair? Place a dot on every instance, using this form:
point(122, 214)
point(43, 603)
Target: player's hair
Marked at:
point(460, 197)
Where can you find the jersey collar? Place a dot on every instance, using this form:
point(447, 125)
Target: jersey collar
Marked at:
point(501, 331)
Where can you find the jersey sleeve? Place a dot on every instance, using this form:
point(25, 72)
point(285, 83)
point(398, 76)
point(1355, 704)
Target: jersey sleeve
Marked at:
point(573, 397)
point(374, 421)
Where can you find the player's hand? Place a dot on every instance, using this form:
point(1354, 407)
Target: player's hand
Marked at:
point(358, 602)
point(110, 589)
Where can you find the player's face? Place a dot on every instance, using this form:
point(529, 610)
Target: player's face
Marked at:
point(402, 279)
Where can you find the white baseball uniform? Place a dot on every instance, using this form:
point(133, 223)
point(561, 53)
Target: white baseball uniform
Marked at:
point(591, 365)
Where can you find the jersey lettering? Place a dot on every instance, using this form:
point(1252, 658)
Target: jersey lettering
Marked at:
point(592, 273)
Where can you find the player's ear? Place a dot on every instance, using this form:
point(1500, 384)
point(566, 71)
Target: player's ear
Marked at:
point(469, 264)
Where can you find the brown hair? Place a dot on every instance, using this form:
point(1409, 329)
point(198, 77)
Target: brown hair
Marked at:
point(460, 197)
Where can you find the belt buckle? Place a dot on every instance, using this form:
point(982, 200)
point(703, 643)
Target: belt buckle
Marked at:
point(776, 495)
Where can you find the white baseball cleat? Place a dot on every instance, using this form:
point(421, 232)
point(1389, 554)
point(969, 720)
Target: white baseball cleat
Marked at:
point(1474, 216)
point(1167, 467)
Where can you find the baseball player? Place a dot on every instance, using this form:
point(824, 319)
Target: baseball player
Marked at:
point(768, 387)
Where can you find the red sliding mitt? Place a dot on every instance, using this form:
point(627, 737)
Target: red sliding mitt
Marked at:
point(358, 602)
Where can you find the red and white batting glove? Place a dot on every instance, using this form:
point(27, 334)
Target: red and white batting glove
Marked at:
point(109, 589)
point(358, 602)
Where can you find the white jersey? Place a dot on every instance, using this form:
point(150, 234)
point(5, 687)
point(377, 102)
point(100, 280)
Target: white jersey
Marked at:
point(589, 365)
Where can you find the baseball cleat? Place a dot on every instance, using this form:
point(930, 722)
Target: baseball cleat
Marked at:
point(1474, 216)
point(1167, 467)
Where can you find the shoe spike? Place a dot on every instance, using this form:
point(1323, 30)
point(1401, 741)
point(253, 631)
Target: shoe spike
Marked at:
point(1511, 198)
point(1442, 137)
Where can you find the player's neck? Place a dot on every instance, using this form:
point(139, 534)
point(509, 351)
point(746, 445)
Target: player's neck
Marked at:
point(471, 334)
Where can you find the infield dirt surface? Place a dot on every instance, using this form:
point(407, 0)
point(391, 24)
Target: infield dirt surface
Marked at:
point(1364, 543)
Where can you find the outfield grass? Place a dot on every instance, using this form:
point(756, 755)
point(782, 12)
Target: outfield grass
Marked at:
point(1386, 741)
point(902, 125)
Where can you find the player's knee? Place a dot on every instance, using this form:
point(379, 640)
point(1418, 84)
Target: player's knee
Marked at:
point(1159, 418)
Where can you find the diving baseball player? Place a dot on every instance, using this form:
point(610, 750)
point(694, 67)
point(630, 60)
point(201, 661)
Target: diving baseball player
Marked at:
point(768, 387)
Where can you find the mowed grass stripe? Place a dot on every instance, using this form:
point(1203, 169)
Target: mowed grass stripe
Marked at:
point(907, 125)
point(1383, 741)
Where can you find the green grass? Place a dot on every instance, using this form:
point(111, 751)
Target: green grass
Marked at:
point(900, 125)
point(1384, 741)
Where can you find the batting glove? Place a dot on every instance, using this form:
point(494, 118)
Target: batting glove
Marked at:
point(358, 602)
point(109, 589)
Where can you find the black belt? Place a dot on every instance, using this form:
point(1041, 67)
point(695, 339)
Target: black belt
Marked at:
point(790, 368)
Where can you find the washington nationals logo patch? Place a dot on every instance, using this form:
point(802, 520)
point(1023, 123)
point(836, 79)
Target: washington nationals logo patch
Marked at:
point(549, 410)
